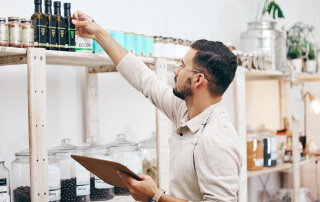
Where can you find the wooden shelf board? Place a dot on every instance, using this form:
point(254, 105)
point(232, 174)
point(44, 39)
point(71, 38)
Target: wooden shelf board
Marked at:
point(284, 167)
point(10, 51)
point(308, 77)
point(264, 74)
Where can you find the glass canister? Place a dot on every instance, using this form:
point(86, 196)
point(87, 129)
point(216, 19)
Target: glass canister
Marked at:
point(139, 50)
point(178, 49)
point(21, 177)
point(75, 179)
point(15, 32)
point(254, 151)
point(128, 154)
point(169, 47)
point(130, 42)
point(4, 182)
point(263, 37)
point(27, 33)
point(148, 46)
point(4, 32)
point(99, 190)
point(186, 47)
point(158, 47)
point(148, 149)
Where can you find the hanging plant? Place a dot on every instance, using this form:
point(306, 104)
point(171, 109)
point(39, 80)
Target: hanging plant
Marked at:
point(272, 8)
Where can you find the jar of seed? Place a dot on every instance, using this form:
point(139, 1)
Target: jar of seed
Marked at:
point(27, 33)
point(4, 32)
point(15, 32)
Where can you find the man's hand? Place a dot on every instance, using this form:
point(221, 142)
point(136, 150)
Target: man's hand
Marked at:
point(140, 190)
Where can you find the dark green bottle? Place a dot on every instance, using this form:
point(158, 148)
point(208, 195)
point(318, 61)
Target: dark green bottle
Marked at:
point(51, 26)
point(70, 29)
point(39, 24)
point(60, 26)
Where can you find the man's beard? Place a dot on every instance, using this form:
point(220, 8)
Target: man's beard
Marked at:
point(185, 91)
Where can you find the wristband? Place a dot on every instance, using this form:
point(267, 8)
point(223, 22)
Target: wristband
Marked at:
point(158, 194)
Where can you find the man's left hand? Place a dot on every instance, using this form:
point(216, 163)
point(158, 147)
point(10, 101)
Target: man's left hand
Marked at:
point(140, 190)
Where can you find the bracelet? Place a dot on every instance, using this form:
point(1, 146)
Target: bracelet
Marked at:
point(158, 194)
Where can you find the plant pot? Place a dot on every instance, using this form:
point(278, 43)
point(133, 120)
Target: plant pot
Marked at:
point(311, 66)
point(297, 65)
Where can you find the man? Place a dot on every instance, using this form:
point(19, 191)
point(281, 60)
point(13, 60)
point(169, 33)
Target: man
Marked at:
point(205, 159)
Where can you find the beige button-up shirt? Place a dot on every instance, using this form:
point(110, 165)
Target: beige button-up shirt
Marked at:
point(217, 155)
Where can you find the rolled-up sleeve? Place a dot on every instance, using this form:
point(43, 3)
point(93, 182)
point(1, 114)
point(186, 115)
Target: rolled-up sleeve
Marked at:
point(146, 81)
point(217, 161)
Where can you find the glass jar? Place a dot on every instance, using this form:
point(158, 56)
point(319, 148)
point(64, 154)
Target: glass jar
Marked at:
point(169, 47)
point(75, 179)
point(126, 153)
point(27, 33)
point(4, 182)
point(21, 177)
point(186, 47)
point(148, 148)
point(4, 32)
point(178, 49)
point(254, 151)
point(158, 47)
point(15, 32)
point(99, 190)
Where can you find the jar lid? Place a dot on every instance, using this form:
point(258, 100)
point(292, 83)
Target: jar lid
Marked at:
point(148, 36)
point(65, 147)
point(150, 142)
point(139, 34)
point(13, 18)
point(91, 144)
point(158, 37)
point(129, 33)
point(121, 143)
point(1, 159)
point(24, 152)
point(2, 19)
point(25, 20)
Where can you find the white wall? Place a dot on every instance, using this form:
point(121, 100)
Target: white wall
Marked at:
point(122, 109)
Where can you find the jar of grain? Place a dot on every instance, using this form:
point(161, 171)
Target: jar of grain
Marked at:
point(4, 32)
point(254, 151)
point(27, 33)
point(15, 32)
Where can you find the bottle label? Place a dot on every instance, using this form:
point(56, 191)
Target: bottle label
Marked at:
point(40, 33)
point(70, 34)
point(52, 36)
point(15, 35)
point(83, 190)
point(54, 195)
point(4, 190)
point(82, 174)
point(54, 176)
point(259, 162)
point(61, 39)
point(27, 37)
point(100, 184)
point(4, 35)
point(84, 44)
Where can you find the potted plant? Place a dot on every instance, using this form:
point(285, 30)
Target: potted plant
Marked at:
point(270, 7)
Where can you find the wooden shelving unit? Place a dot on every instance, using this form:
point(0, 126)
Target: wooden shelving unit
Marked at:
point(294, 79)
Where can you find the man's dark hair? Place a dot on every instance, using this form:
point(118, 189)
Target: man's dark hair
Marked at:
point(216, 62)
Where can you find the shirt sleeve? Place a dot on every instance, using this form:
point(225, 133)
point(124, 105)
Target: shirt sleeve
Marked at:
point(217, 160)
point(146, 81)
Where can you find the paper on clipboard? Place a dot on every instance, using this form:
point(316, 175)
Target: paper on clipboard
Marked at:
point(106, 170)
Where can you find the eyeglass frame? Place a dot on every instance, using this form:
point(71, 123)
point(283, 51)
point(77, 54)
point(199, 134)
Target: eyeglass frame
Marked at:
point(179, 64)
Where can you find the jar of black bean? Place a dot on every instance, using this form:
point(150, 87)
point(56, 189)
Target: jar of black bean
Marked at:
point(75, 179)
point(128, 154)
point(21, 178)
point(99, 190)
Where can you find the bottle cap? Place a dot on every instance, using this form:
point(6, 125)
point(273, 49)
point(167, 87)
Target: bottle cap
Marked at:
point(57, 4)
point(38, 1)
point(47, 2)
point(67, 5)
point(1, 159)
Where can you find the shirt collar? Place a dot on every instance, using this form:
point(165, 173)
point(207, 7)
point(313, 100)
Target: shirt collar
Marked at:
point(196, 123)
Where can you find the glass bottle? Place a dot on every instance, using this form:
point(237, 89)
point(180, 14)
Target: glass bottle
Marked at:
point(60, 26)
point(99, 190)
point(4, 32)
point(70, 29)
point(51, 26)
point(40, 26)
point(15, 32)
point(148, 149)
point(4, 182)
point(75, 179)
point(288, 151)
point(27, 33)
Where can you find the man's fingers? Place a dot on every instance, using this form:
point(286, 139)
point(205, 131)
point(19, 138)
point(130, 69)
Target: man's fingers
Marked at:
point(79, 23)
point(127, 178)
point(78, 14)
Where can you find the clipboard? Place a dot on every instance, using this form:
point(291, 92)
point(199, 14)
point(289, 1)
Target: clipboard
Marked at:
point(106, 170)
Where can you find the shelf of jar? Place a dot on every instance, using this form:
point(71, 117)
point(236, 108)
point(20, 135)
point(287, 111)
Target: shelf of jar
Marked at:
point(255, 74)
point(100, 62)
point(308, 77)
point(283, 167)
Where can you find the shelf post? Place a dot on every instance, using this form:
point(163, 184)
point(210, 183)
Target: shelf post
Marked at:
point(240, 108)
point(37, 112)
point(92, 105)
point(163, 127)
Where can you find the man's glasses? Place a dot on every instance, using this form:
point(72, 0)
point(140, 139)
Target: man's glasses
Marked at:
point(177, 68)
